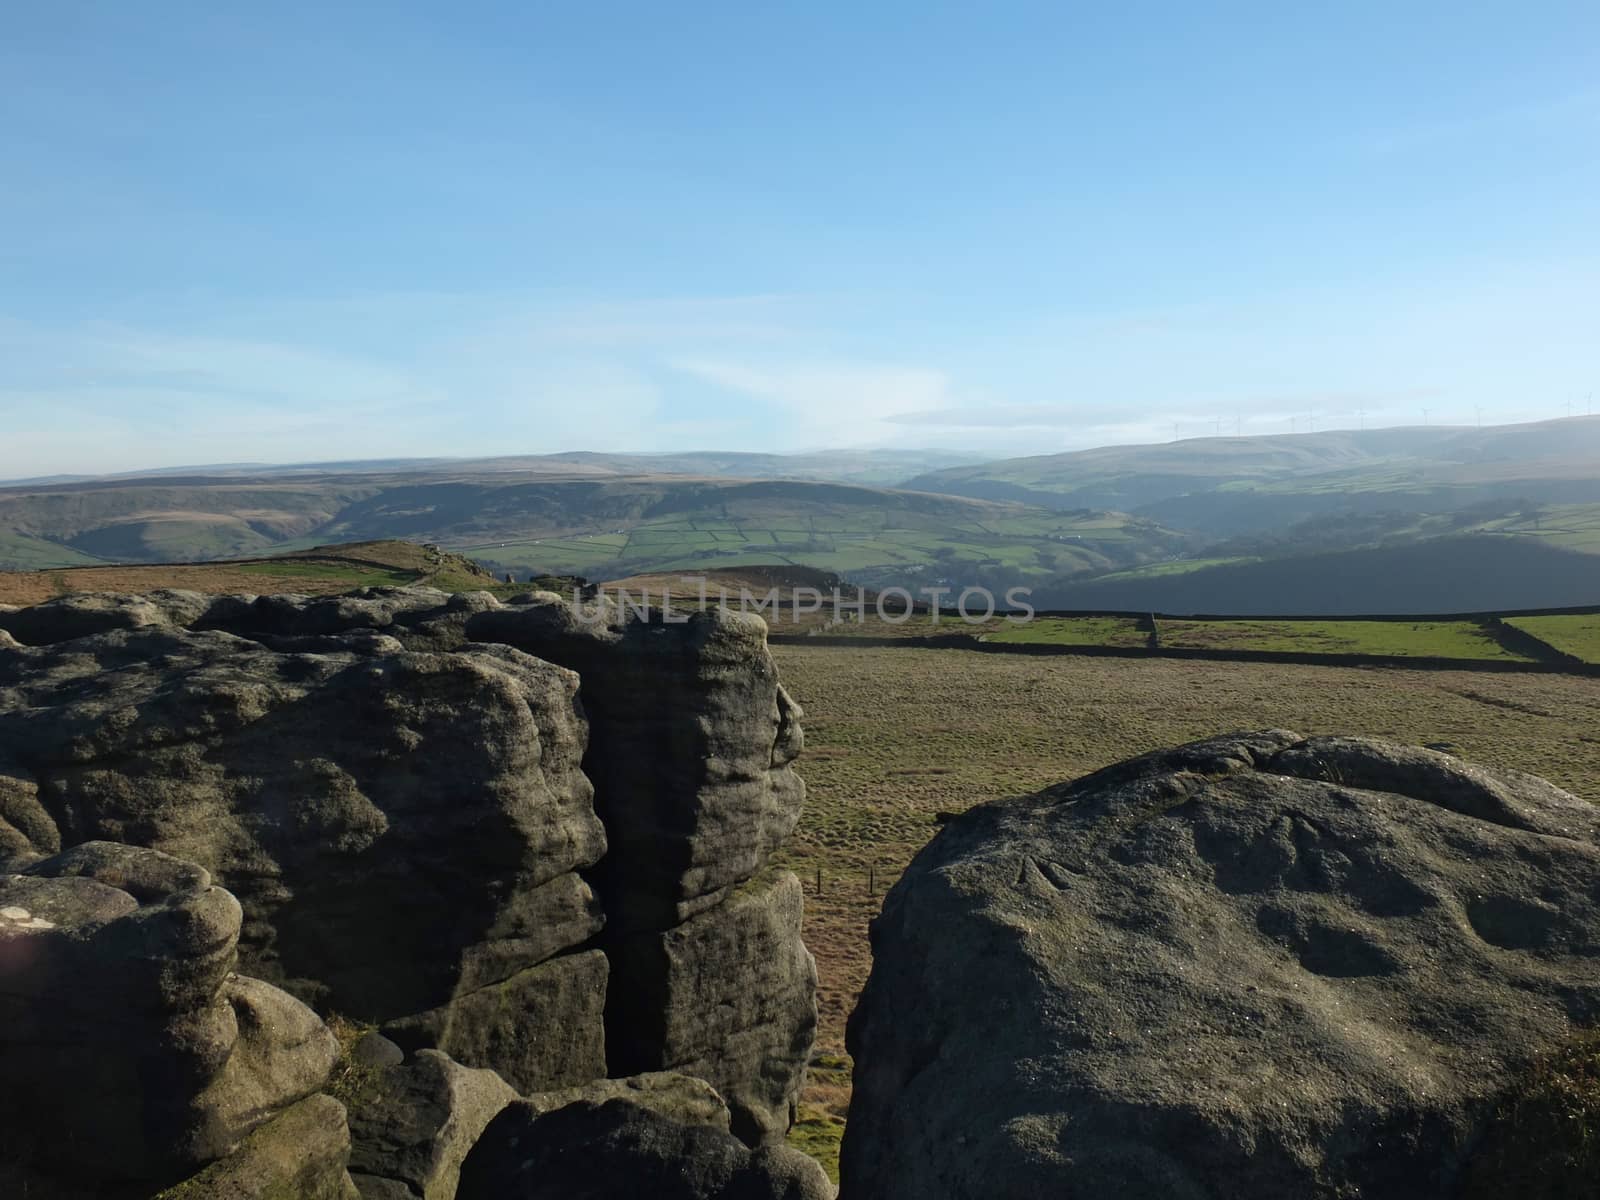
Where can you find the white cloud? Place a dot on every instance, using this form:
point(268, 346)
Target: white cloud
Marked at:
point(846, 403)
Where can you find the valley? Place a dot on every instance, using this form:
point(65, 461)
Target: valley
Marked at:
point(1431, 519)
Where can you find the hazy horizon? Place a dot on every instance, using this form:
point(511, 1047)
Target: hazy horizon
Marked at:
point(305, 235)
point(817, 452)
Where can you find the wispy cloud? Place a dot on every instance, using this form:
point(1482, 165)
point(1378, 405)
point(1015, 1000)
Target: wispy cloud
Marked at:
point(849, 402)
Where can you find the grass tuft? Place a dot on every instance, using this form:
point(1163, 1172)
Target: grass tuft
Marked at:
point(1544, 1142)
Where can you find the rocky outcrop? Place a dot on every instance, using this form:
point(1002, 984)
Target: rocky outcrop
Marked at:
point(1256, 966)
point(404, 829)
point(132, 1055)
point(599, 1150)
point(86, 613)
point(393, 783)
point(690, 746)
point(420, 618)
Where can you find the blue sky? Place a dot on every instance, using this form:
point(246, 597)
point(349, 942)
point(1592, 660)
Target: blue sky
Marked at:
point(296, 232)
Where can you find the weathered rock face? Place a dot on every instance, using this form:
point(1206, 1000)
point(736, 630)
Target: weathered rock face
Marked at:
point(682, 1010)
point(392, 787)
point(1255, 966)
point(403, 829)
point(300, 1153)
point(691, 737)
point(131, 1053)
point(88, 613)
point(691, 741)
point(590, 1150)
point(420, 618)
point(422, 1116)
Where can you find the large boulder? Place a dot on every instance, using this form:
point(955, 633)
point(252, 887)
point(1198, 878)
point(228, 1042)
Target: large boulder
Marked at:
point(416, 1122)
point(600, 1151)
point(404, 829)
point(131, 1052)
point(298, 1155)
point(1256, 966)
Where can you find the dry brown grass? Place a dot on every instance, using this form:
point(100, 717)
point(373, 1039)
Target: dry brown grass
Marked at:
point(31, 587)
point(896, 735)
point(323, 571)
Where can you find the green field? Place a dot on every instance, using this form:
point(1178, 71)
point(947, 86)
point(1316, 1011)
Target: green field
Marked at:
point(1390, 639)
point(21, 552)
point(1567, 526)
point(1578, 636)
point(1072, 631)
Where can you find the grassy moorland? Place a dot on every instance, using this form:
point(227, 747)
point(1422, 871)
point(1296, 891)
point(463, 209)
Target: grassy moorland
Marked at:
point(896, 735)
point(1388, 639)
point(1070, 631)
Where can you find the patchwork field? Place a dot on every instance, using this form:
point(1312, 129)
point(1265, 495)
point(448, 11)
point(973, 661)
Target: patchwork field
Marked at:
point(896, 735)
point(872, 546)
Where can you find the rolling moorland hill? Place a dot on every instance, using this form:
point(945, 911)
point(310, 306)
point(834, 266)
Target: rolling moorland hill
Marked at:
point(601, 527)
point(1263, 520)
point(880, 467)
point(1224, 486)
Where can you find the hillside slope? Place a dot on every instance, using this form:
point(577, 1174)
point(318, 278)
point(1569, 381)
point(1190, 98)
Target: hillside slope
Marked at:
point(1479, 573)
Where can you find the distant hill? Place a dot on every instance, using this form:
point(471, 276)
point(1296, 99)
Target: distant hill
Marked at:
point(888, 468)
point(1226, 486)
point(1478, 573)
point(601, 526)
